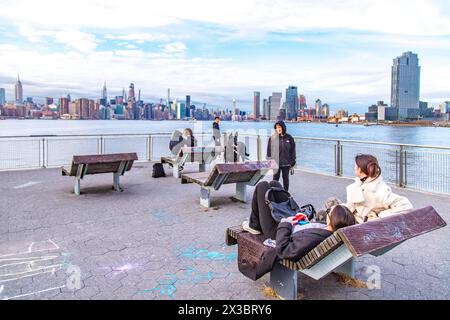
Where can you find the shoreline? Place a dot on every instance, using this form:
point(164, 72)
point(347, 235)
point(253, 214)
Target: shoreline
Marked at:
point(436, 124)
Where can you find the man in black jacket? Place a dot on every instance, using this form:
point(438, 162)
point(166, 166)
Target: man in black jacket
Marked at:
point(281, 148)
point(216, 131)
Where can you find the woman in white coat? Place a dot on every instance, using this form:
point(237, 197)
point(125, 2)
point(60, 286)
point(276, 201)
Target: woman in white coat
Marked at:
point(369, 197)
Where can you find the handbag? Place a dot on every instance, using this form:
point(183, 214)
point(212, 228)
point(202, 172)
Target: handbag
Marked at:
point(283, 209)
point(158, 170)
point(254, 258)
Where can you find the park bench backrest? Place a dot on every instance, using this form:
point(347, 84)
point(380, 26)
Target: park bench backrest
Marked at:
point(199, 154)
point(226, 173)
point(102, 163)
point(379, 234)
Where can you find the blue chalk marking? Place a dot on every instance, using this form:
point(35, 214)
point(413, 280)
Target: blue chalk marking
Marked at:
point(169, 279)
point(170, 289)
point(193, 252)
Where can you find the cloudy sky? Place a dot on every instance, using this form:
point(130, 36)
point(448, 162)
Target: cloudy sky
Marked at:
point(340, 51)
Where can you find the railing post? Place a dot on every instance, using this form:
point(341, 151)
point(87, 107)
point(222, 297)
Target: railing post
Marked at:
point(40, 153)
point(338, 158)
point(149, 147)
point(401, 168)
point(224, 143)
point(43, 152)
point(46, 151)
point(259, 148)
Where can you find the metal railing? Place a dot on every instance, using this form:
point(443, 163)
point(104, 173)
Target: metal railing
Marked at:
point(425, 168)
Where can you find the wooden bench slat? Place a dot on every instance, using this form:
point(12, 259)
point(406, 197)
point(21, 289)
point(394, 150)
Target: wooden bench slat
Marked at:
point(104, 158)
point(381, 233)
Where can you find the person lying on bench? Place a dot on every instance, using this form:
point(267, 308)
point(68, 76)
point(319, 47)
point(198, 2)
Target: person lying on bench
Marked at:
point(293, 240)
point(369, 197)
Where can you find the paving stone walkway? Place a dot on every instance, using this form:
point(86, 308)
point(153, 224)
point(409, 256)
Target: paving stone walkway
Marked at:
point(154, 241)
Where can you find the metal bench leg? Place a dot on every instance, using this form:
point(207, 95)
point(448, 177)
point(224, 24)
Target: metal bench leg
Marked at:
point(284, 281)
point(76, 188)
point(205, 197)
point(176, 170)
point(241, 191)
point(348, 268)
point(116, 183)
point(201, 167)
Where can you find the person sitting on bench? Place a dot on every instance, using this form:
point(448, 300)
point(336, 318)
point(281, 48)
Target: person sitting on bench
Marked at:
point(292, 241)
point(176, 142)
point(369, 197)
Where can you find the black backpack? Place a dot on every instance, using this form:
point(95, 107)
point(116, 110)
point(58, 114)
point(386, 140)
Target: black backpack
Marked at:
point(281, 209)
point(158, 170)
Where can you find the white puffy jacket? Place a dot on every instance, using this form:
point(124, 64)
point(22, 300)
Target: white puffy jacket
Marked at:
point(374, 199)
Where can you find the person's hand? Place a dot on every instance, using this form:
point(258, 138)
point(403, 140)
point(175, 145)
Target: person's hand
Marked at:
point(288, 219)
point(301, 216)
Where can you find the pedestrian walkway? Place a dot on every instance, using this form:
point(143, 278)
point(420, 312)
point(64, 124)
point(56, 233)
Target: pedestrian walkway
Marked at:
point(155, 241)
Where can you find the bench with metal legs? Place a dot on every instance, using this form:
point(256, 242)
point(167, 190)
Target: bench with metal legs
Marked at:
point(241, 174)
point(200, 155)
point(337, 253)
point(117, 164)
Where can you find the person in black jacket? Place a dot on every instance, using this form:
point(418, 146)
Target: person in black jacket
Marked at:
point(216, 131)
point(292, 242)
point(281, 148)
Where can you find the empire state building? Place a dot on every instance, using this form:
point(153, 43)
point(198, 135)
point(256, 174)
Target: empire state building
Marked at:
point(19, 91)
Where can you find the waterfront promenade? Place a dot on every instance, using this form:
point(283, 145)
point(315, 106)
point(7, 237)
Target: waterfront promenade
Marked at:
point(154, 241)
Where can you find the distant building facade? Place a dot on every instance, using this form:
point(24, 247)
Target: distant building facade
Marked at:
point(292, 103)
point(405, 86)
point(256, 104)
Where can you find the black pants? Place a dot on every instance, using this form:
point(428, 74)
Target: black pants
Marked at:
point(285, 172)
point(261, 217)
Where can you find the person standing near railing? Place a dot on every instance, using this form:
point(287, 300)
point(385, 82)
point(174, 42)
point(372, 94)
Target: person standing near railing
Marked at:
point(216, 131)
point(281, 148)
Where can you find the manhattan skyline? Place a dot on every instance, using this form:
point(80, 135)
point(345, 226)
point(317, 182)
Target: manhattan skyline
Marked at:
point(339, 52)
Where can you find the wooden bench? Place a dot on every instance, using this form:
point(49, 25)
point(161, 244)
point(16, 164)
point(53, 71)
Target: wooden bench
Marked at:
point(201, 155)
point(116, 163)
point(241, 174)
point(337, 253)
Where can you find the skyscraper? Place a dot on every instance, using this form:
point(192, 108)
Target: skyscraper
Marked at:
point(275, 105)
point(265, 112)
point(104, 92)
point(291, 103)
point(188, 106)
point(18, 91)
point(318, 109)
point(256, 104)
point(405, 86)
point(131, 95)
point(2, 96)
point(63, 106)
point(168, 98)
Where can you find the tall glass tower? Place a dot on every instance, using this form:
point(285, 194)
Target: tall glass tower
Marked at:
point(405, 87)
point(256, 104)
point(2, 96)
point(291, 103)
